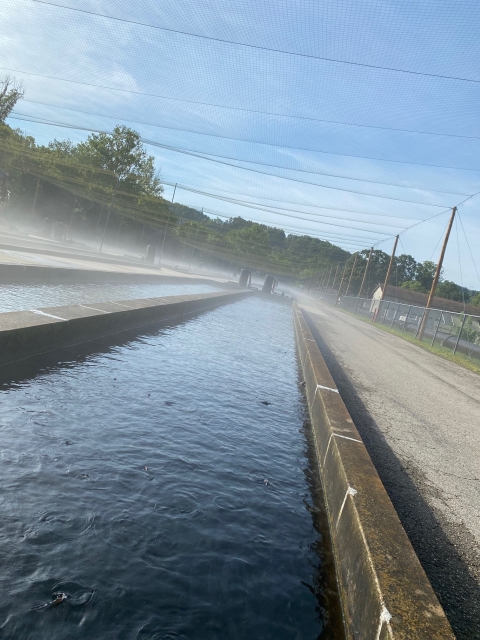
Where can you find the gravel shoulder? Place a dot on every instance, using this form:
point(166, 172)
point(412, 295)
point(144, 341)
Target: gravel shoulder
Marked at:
point(419, 416)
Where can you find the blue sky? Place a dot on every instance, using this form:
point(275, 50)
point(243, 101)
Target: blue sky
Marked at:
point(321, 120)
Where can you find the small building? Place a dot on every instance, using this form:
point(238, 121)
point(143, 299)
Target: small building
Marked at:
point(419, 299)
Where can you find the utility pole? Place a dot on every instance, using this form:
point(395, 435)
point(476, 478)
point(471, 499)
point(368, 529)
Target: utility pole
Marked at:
point(335, 278)
point(351, 274)
point(322, 281)
point(193, 248)
point(109, 212)
point(223, 259)
point(365, 272)
point(325, 284)
point(166, 229)
point(341, 283)
point(34, 205)
point(387, 277)
point(437, 275)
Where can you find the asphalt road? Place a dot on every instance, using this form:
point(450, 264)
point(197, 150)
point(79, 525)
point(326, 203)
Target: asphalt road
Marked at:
point(419, 416)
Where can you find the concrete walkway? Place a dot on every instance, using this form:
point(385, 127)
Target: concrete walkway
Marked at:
point(32, 253)
point(419, 416)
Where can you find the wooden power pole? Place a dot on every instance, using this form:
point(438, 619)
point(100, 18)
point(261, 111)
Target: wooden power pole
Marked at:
point(34, 205)
point(335, 277)
point(387, 277)
point(351, 274)
point(390, 264)
point(437, 275)
point(341, 284)
point(365, 272)
point(325, 284)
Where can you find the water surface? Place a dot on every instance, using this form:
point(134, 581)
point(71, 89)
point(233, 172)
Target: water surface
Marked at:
point(161, 485)
point(18, 297)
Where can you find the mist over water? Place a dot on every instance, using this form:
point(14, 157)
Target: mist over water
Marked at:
point(161, 486)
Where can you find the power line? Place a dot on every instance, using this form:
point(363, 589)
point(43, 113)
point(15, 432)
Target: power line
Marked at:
point(260, 48)
point(278, 146)
point(313, 233)
point(439, 214)
point(304, 204)
point(264, 164)
point(468, 245)
point(230, 108)
point(229, 164)
point(255, 205)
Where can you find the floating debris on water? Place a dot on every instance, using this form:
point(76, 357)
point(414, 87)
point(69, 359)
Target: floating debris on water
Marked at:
point(266, 402)
point(58, 598)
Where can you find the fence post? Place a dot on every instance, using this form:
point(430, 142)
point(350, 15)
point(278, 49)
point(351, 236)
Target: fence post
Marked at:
point(395, 316)
point(460, 333)
point(356, 306)
point(386, 311)
point(406, 318)
point(436, 330)
point(420, 323)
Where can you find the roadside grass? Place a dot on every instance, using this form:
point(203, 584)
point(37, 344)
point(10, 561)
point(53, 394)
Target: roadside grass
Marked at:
point(461, 359)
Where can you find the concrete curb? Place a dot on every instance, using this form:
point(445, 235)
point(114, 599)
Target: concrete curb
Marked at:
point(385, 594)
point(73, 252)
point(33, 274)
point(28, 333)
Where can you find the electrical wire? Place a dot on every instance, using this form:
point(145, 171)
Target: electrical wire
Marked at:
point(264, 164)
point(279, 146)
point(258, 171)
point(262, 48)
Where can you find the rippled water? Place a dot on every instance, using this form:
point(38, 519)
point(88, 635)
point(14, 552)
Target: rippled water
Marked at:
point(17, 297)
point(162, 485)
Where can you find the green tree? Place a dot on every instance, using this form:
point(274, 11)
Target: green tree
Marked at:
point(475, 299)
point(451, 291)
point(405, 268)
point(425, 273)
point(11, 92)
point(122, 155)
point(277, 237)
point(414, 285)
point(252, 242)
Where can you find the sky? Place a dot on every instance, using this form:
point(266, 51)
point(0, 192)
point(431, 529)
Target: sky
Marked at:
point(348, 120)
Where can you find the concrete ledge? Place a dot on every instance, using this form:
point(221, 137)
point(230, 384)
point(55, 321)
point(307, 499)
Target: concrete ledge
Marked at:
point(33, 274)
point(385, 594)
point(51, 249)
point(28, 333)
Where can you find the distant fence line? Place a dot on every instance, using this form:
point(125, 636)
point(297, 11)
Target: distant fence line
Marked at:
point(459, 332)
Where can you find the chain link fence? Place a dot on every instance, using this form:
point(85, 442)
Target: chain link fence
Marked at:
point(458, 332)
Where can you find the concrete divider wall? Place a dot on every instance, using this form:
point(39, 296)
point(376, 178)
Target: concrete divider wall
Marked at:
point(385, 594)
point(37, 274)
point(28, 333)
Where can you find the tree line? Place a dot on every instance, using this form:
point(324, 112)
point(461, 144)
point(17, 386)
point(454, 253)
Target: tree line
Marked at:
point(110, 177)
point(406, 272)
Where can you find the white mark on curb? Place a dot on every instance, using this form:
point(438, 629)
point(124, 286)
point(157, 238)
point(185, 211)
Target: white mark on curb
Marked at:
point(122, 305)
point(328, 447)
point(338, 435)
point(385, 616)
point(320, 386)
point(93, 308)
point(350, 492)
point(49, 315)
